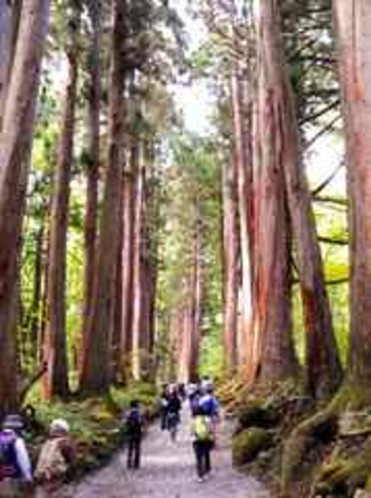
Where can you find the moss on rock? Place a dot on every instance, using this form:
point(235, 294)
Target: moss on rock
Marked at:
point(249, 443)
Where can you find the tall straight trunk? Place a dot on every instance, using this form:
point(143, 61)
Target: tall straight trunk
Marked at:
point(184, 343)
point(35, 322)
point(353, 26)
point(116, 333)
point(196, 311)
point(140, 334)
point(96, 353)
point(92, 171)
point(56, 378)
point(323, 366)
point(273, 356)
point(15, 147)
point(231, 255)
point(126, 347)
point(241, 114)
point(5, 50)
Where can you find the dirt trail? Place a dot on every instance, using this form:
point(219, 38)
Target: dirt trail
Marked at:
point(168, 472)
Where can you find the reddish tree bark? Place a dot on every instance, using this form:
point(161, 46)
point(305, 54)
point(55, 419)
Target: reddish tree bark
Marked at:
point(273, 356)
point(323, 366)
point(231, 263)
point(139, 334)
point(95, 374)
point(93, 163)
point(353, 27)
point(55, 349)
point(130, 179)
point(15, 146)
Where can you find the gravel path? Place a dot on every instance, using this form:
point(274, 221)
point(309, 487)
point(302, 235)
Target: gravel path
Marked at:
point(168, 472)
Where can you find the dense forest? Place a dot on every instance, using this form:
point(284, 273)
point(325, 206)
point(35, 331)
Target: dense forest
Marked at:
point(134, 248)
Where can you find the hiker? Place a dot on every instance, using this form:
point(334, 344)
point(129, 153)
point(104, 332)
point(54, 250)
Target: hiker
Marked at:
point(173, 413)
point(164, 403)
point(15, 465)
point(209, 403)
point(134, 424)
point(203, 441)
point(56, 456)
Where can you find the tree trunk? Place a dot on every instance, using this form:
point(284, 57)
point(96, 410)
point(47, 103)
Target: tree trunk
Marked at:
point(322, 360)
point(92, 169)
point(273, 356)
point(140, 341)
point(96, 354)
point(5, 49)
point(55, 351)
point(15, 147)
point(126, 347)
point(35, 318)
point(353, 24)
point(231, 256)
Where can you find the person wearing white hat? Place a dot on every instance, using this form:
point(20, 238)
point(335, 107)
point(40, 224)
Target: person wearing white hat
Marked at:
point(15, 464)
point(56, 456)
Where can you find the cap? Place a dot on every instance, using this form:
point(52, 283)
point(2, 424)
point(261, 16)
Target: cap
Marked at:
point(13, 422)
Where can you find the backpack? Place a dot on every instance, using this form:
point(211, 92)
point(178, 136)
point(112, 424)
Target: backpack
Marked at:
point(51, 464)
point(133, 422)
point(202, 428)
point(8, 455)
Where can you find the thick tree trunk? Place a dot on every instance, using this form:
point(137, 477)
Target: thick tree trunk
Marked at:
point(353, 24)
point(92, 170)
point(140, 335)
point(15, 146)
point(126, 347)
point(241, 120)
point(322, 360)
point(96, 354)
point(116, 334)
point(231, 256)
point(5, 50)
point(273, 356)
point(55, 351)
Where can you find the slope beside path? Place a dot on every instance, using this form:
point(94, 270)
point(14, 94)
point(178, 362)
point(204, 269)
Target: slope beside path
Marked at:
point(168, 471)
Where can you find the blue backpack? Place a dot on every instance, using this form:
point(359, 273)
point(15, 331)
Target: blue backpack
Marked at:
point(8, 456)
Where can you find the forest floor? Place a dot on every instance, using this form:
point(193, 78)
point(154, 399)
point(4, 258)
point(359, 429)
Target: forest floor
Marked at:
point(168, 471)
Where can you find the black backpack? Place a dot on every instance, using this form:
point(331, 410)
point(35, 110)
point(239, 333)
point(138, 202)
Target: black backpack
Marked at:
point(134, 422)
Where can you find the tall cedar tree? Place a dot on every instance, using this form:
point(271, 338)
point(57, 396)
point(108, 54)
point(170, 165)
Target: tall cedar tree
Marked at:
point(231, 264)
point(272, 349)
point(96, 352)
point(55, 349)
point(15, 147)
point(93, 156)
point(323, 366)
point(353, 27)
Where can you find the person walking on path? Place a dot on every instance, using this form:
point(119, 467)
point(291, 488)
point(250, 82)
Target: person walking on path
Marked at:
point(15, 465)
point(173, 413)
point(57, 455)
point(164, 405)
point(203, 440)
point(134, 424)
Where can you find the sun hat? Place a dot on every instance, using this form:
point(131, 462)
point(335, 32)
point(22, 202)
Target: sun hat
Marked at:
point(59, 425)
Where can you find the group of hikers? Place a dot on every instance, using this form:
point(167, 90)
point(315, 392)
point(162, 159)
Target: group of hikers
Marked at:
point(204, 410)
point(58, 453)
